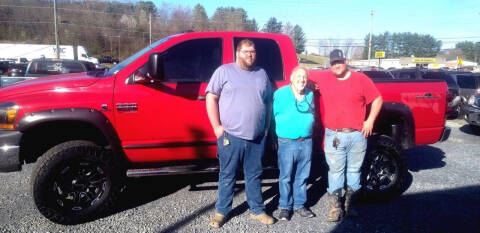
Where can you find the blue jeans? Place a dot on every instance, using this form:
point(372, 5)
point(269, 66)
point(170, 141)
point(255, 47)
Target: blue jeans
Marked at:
point(349, 153)
point(248, 153)
point(294, 160)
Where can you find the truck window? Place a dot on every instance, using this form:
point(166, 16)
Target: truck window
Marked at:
point(268, 56)
point(466, 81)
point(193, 60)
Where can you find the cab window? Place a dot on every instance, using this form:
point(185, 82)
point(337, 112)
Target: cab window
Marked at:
point(269, 56)
point(193, 60)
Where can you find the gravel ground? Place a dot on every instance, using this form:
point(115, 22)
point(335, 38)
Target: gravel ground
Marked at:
point(443, 195)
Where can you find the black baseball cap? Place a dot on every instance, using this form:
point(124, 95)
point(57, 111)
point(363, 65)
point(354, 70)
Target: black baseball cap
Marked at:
point(336, 55)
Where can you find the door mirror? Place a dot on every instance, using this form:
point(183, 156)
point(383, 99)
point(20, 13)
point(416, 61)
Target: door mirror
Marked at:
point(155, 66)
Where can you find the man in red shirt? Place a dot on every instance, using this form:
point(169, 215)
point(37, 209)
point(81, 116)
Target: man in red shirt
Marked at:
point(345, 96)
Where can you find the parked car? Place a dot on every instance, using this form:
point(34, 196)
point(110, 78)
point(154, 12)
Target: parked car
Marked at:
point(472, 111)
point(4, 66)
point(46, 66)
point(108, 59)
point(17, 70)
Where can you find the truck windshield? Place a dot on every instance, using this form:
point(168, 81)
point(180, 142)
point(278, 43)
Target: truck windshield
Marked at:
point(134, 57)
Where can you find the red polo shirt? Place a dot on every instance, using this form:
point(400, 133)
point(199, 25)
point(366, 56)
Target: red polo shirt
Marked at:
point(344, 101)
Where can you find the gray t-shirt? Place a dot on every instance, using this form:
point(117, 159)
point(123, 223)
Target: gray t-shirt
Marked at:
point(242, 98)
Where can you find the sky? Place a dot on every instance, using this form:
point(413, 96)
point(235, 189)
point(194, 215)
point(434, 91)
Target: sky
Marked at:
point(451, 21)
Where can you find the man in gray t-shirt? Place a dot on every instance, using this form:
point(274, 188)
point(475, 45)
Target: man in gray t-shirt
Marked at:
point(239, 99)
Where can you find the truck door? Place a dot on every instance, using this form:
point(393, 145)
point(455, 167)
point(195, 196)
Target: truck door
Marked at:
point(167, 120)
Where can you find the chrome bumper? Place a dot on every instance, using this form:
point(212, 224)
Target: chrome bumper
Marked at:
point(10, 150)
point(472, 115)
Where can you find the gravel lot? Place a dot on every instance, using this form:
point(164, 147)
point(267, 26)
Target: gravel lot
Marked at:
point(443, 195)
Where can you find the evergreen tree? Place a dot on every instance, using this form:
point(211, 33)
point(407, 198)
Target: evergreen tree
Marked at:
point(272, 26)
point(299, 39)
point(200, 19)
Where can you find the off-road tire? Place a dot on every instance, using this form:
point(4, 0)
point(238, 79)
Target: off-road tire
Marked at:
point(75, 181)
point(384, 169)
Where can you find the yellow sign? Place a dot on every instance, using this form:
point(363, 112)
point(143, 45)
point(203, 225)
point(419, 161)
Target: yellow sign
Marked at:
point(423, 60)
point(379, 54)
point(459, 61)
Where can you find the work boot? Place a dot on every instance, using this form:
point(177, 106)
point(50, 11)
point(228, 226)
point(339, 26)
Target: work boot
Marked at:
point(217, 221)
point(350, 199)
point(263, 218)
point(335, 213)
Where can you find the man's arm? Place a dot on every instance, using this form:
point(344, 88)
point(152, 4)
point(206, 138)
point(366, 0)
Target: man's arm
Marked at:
point(375, 109)
point(213, 114)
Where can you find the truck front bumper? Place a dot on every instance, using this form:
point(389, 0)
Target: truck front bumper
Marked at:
point(472, 115)
point(10, 150)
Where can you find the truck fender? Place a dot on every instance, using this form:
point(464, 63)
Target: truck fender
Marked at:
point(85, 115)
point(406, 135)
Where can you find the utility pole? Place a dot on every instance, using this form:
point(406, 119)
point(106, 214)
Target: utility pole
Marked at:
point(57, 51)
point(150, 17)
point(475, 51)
point(371, 32)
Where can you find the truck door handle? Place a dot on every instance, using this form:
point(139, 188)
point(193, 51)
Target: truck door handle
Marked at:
point(127, 107)
point(201, 97)
point(427, 95)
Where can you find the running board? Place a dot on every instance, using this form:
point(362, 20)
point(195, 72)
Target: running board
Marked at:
point(177, 170)
point(171, 170)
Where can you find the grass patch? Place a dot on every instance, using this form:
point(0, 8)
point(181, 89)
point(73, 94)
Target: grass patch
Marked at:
point(312, 60)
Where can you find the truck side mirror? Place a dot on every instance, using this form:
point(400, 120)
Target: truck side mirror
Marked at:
point(155, 66)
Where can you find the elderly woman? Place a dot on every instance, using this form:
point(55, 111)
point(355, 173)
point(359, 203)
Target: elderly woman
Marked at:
point(293, 110)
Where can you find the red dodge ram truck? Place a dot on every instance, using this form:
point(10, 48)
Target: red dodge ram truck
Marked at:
point(147, 116)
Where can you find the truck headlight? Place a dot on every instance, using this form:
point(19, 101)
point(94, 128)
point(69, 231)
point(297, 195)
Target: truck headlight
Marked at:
point(8, 114)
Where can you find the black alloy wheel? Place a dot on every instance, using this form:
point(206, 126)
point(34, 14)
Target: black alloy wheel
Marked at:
point(75, 181)
point(384, 169)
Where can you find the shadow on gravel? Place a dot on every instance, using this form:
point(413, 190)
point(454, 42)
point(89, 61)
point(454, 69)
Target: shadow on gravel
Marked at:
point(469, 130)
point(424, 158)
point(451, 210)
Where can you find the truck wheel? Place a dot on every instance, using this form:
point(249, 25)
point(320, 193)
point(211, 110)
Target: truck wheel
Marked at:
point(74, 181)
point(384, 169)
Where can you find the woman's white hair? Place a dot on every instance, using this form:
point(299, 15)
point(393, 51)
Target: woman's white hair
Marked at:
point(296, 69)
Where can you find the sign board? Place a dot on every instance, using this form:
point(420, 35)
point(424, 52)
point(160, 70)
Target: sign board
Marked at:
point(380, 54)
point(423, 60)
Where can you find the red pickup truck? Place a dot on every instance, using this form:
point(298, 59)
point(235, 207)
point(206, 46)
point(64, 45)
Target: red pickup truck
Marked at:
point(147, 116)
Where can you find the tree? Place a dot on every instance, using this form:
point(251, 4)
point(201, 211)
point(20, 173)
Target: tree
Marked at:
point(288, 29)
point(299, 39)
point(470, 50)
point(200, 19)
point(272, 26)
point(181, 19)
point(251, 26)
point(229, 18)
point(403, 44)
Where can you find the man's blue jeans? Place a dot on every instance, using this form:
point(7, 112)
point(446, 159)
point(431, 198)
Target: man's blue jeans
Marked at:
point(349, 153)
point(248, 153)
point(294, 160)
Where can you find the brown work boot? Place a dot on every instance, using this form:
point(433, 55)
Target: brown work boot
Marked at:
point(335, 212)
point(263, 218)
point(217, 221)
point(350, 199)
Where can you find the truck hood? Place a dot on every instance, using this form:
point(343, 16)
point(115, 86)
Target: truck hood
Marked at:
point(72, 80)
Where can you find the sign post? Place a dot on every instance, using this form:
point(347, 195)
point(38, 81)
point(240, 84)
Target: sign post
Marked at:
point(379, 55)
